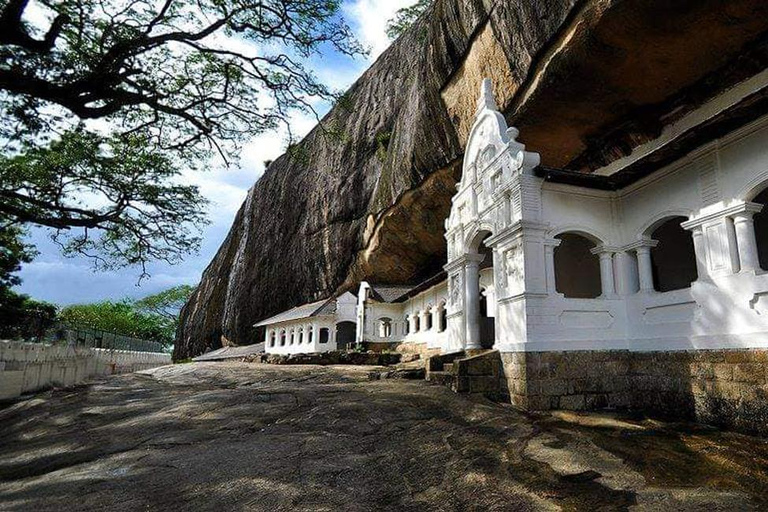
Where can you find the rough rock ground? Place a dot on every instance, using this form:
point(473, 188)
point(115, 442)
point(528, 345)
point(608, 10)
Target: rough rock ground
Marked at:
point(237, 436)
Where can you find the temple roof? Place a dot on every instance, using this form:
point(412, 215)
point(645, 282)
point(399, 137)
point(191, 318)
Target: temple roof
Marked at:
point(392, 293)
point(319, 308)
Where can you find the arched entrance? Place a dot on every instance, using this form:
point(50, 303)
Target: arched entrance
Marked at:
point(673, 259)
point(345, 335)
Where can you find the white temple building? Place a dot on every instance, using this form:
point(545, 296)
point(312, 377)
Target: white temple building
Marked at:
point(638, 283)
point(673, 261)
point(322, 326)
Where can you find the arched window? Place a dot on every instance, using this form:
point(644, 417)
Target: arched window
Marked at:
point(324, 335)
point(416, 322)
point(272, 339)
point(282, 338)
point(443, 319)
point(673, 260)
point(301, 336)
point(761, 228)
point(311, 335)
point(577, 270)
point(385, 327)
point(428, 320)
point(407, 325)
point(293, 336)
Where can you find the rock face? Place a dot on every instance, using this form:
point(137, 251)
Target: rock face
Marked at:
point(369, 202)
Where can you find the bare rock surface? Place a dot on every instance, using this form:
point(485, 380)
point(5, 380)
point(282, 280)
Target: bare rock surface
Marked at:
point(585, 82)
point(238, 436)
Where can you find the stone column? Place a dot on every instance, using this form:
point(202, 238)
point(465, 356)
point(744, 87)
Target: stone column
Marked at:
point(700, 248)
point(472, 300)
point(434, 312)
point(746, 241)
point(606, 271)
point(412, 323)
point(423, 323)
point(549, 262)
point(625, 273)
point(606, 274)
point(644, 269)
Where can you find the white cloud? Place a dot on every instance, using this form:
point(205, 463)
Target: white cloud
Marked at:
point(368, 19)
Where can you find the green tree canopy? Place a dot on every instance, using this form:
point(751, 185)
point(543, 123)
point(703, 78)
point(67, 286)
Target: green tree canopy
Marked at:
point(166, 303)
point(119, 318)
point(405, 17)
point(152, 318)
point(103, 102)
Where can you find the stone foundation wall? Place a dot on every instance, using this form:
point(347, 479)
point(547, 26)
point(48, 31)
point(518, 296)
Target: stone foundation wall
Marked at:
point(727, 388)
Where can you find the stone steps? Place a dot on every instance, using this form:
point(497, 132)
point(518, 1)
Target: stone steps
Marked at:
point(463, 373)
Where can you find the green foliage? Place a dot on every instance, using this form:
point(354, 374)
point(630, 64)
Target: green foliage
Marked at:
point(13, 252)
point(165, 69)
point(153, 318)
point(405, 17)
point(167, 303)
point(382, 145)
point(101, 106)
point(123, 196)
point(119, 318)
point(22, 317)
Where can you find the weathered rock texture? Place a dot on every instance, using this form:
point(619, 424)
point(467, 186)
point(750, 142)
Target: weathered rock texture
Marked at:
point(584, 81)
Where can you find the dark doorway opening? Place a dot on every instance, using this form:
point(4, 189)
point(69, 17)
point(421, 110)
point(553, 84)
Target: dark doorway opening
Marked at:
point(345, 335)
point(761, 228)
point(674, 259)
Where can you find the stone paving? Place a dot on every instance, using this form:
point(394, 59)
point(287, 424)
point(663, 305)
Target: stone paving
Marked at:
point(238, 436)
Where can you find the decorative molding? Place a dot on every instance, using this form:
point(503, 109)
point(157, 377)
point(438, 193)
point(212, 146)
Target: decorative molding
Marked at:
point(720, 214)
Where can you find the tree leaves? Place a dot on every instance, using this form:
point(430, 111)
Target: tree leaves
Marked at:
point(405, 17)
point(166, 70)
point(112, 199)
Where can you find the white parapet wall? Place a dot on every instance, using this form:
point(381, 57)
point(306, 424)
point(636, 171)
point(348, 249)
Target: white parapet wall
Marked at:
point(28, 367)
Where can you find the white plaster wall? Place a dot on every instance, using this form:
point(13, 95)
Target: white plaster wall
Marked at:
point(429, 300)
point(27, 367)
point(723, 309)
point(432, 300)
point(315, 323)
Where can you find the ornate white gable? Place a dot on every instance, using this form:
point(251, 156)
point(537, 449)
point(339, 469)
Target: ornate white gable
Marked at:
point(489, 195)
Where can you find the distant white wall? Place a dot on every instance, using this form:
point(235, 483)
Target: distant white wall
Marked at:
point(27, 367)
point(403, 315)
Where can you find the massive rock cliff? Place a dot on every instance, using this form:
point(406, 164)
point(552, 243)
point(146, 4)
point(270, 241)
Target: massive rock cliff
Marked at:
point(369, 202)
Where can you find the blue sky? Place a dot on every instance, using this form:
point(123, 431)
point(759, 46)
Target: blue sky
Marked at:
point(61, 280)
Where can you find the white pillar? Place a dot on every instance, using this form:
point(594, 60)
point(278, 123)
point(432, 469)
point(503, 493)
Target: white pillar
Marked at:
point(606, 274)
point(747, 242)
point(700, 248)
point(472, 301)
point(412, 323)
point(606, 271)
point(549, 262)
point(644, 269)
point(625, 273)
point(423, 321)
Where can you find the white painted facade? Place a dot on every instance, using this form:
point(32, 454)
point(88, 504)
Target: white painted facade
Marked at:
point(311, 328)
point(510, 235)
point(420, 318)
point(522, 220)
